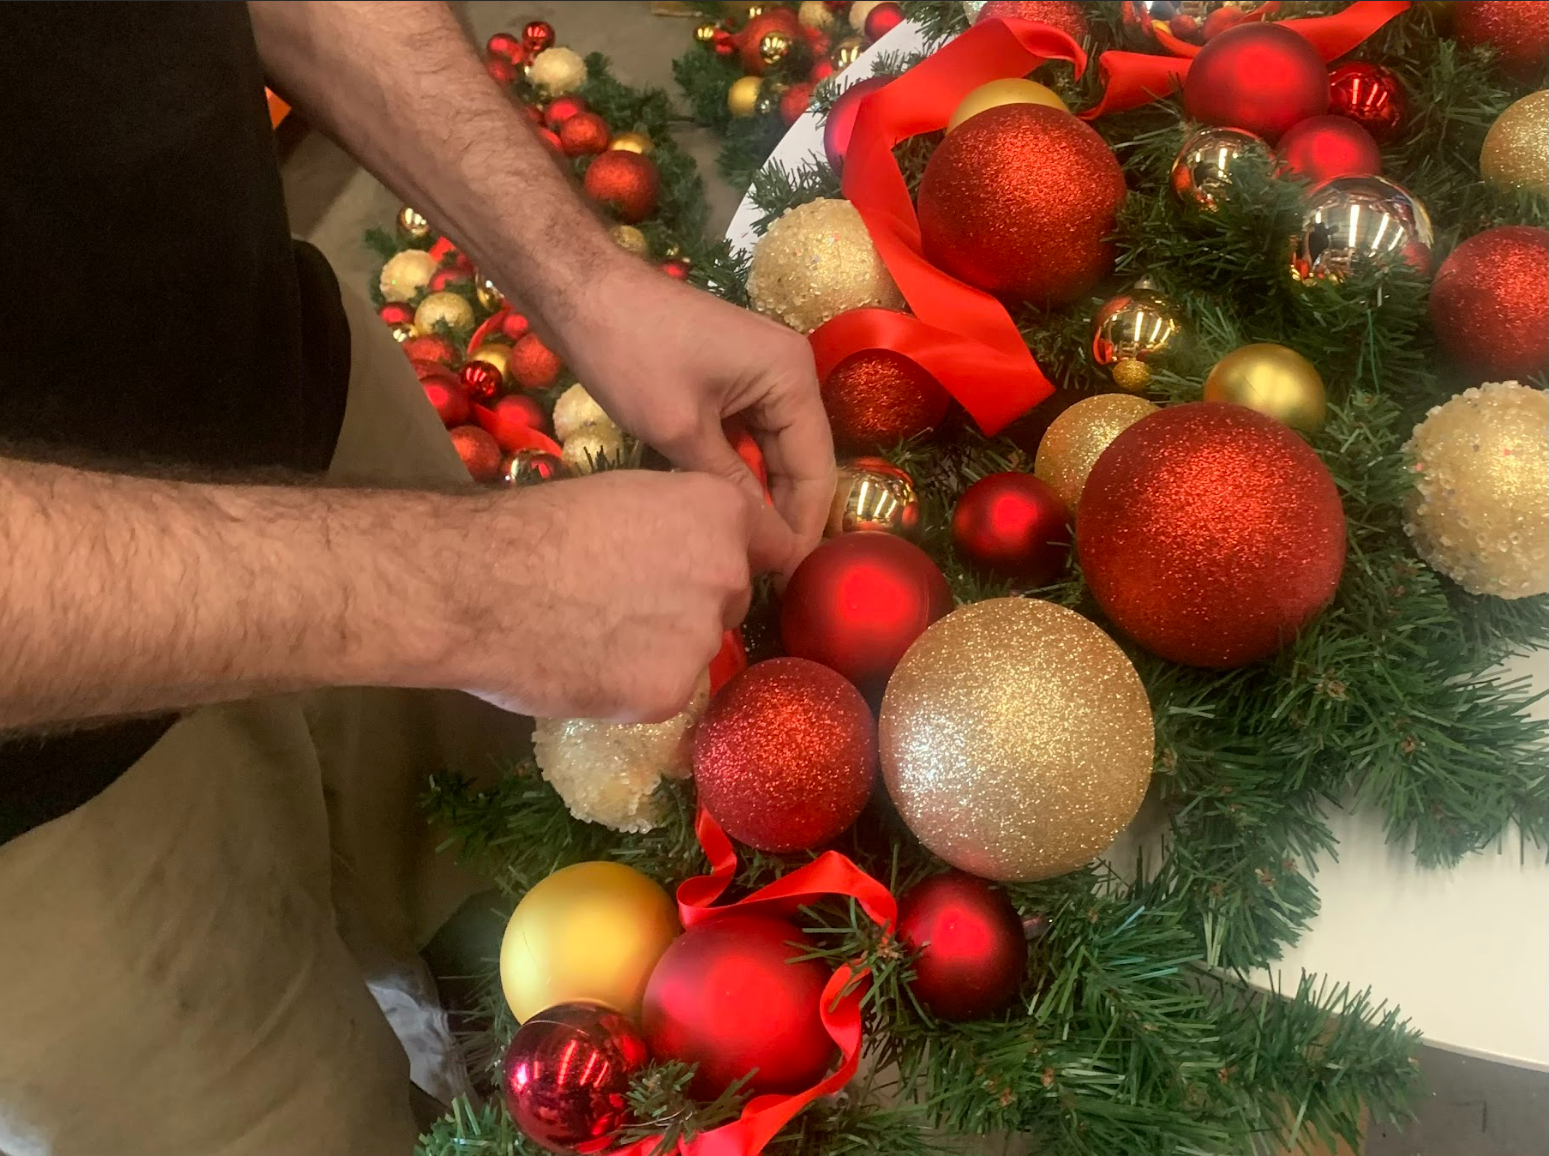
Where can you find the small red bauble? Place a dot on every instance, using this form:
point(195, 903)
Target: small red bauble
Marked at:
point(1066, 15)
point(514, 326)
point(532, 112)
point(750, 39)
point(877, 398)
point(448, 398)
point(1259, 77)
point(626, 183)
point(883, 19)
point(1221, 19)
point(430, 347)
point(1518, 30)
point(396, 313)
point(566, 1076)
point(794, 101)
point(1210, 534)
point(511, 419)
point(562, 108)
point(1490, 303)
point(478, 451)
point(504, 44)
point(445, 277)
point(1321, 148)
point(537, 35)
point(858, 601)
point(841, 119)
point(533, 364)
point(1022, 200)
point(1370, 95)
point(821, 70)
point(972, 950)
point(500, 69)
point(481, 379)
point(584, 134)
point(1013, 525)
point(677, 270)
point(785, 755)
point(818, 41)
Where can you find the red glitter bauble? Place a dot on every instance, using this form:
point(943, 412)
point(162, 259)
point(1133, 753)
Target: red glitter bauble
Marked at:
point(750, 39)
point(449, 399)
point(533, 364)
point(511, 418)
point(514, 326)
point(1066, 15)
point(397, 313)
point(1518, 30)
point(566, 1076)
point(585, 134)
point(858, 601)
point(972, 950)
point(1321, 148)
point(447, 277)
point(1021, 200)
point(500, 69)
point(481, 379)
point(732, 995)
point(531, 112)
point(625, 182)
point(430, 347)
point(841, 119)
point(1490, 303)
point(562, 108)
point(504, 44)
point(793, 102)
point(883, 19)
point(1259, 77)
point(785, 755)
point(478, 450)
point(1210, 534)
point(537, 35)
point(1370, 95)
point(1013, 525)
point(877, 398)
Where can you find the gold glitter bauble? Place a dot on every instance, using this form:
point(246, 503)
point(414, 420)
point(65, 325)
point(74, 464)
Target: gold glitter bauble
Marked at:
point(444, 308)
point(1016, 739)
point(406, 274)
point(574, 409)
point(1077, 438)
point(1276, 381)
point(497, 354)
point(815, 262)
point(593, 446)
point(774, 47)
point(412, 224)
point(489, 297)
point(705, 33)
point(873, 494)
point(1202, 170)
point(847, 52)
point(557, 71)
point(632, 142)
point(630, 239)
point(742, 96)
point(1516, 149)
point(403, 330)
point(1349, 221)
point(1130, 374)
point(972, 8)
point(1480, 508)
point(859, 11)
point(1134, 329)
point(815, 14)
point(999, 92)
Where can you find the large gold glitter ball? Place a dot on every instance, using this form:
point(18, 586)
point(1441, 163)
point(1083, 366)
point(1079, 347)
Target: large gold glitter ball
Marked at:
point(815, 262)
point(742, 96)
point(1278, 382)
point(444, 308)
point(1479, 512)
point(630, 239)
point(406, 274)
point(577, 408)
point(1016, 739)
point(1516, 149)
point(1348, 222)
point(593, 447)
point(873, 494)
point(557, 71)
point(412, 224)
point(1140, 327)
point(995, 93)
point(1202, 170)
point(1077, 438)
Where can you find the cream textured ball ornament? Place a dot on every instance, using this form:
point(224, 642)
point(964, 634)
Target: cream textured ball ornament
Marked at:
point(444, 308)
point(586, 448)
point(557, 71)
point(577, 408)
point(816, 262)
point(406, 274)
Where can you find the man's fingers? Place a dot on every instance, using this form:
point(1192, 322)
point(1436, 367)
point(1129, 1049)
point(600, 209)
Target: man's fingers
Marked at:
point(771, 543)
point(799, 453)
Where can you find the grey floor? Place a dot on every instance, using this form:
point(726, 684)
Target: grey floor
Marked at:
point(1472, 1108)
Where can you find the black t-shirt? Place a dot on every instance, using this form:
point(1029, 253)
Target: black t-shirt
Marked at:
point(160, 315)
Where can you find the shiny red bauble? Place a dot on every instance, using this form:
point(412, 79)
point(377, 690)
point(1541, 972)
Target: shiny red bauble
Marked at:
point(1210, 534)
point(793, 102)
point(732, 995)
point(514, 326)
point(1014, 526)
point(478, 450)
point(970, 945)
point(538, 35)
point(1321, 148)
point(500, 69)
point(883, 19)
point(396, 313)
point(785, 756)
point(858, 601)
point(533, 364)
point(1518, 30)
point(562, 108)
point(566, 1076)
point(584, 134)
point(1370, 95)
point(504, 44)
point(1260, 77)
point(481, 379)
point(449, 399)
point(841, 119)
point(1490, 303)
point(512, 420)
point(1066, 15)
point(1021, 200)
point(551, 138)
point(877, 398)
point(750, 41)
point(430, 347)
point(625, 182)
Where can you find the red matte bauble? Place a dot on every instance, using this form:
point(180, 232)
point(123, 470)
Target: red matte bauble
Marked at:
point(537, 35)
point(562, 108)
point(821, 70)
point(397, 313)
point(1370, 95)
point(585, 134)
point(1518, 30)
point(532, 113)
point(1321, 148)
point(512, 418)
point(625, 182)
point(449, 399)
point(1021, 200)
point(841, 119)
point(504, 44)
point(1210, 534)
point(1221, 19)
point(883, 19)
point(566, 1076)
point(430, 347)
point(481, 379)
point(972, 950)
point(499, 68)
point(1066, 15)
point(1259, 77)
point(478, 450)
point(724, 43)
point(750, 40)
point(793, 102)
point(1490, 303)
point(1015, 526)
point(858, 601)
point(732, 995)
point(447, 277)
point(551, 138)
point(877, 398)
point(785, 756)
point(678, 270)
point(533, 364)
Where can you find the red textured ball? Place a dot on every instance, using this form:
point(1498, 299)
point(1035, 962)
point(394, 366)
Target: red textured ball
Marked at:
point(1013, 525)
point(504, 44)
point(481, 379)
point(449, 399)
point(551, 138)
point(1259, 77)
point(500, 69)
point(562, 108)
point(750, 39)
point(972, 949)
point(537, 35)
point(584, 134)
point(1518, 30)
point(858, 601)
point(1210, 534)
point(793, 102)
point(841, 119)
point(514, 326)
point(785, 756)
point(396, 313)
point(1321, 148)
point(1066, 15)
point(1490, 303)
point(625, 182)
point(877, 398)
point(821, 70)
point(430, 347)
point(1370, 95)
point(883, 19)
point(512, 418)
point(733, 996)
point(533, 364)
point(567, 1073)
point(478, 450)
point(1021, 200)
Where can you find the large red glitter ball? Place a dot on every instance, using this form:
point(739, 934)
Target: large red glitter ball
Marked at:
point(449, 399)
point(1210, 534)
point(1013, 525)
point(1066, 15)
point(1321, 148)
point(877, 398)
point(1518, 30)
point(858, 601)
point(1370, 95)
point(478, 450)
point(566, 1076)
point(533, 364)
point(732, 995)
point(1259, 77)
point(750, 39)
point(1021, 200)
point(785, 756)
point(1490, 302)
point(583, 134)
point(430, 347)
point(625, 182)
point(972, 951)
point(841, 119)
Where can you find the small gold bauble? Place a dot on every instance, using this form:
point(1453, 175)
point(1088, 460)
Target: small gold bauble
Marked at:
point(632, 142)
point(444, 308)
point(529, 467)
point(815, 262)
point(412, 224)
point(403, 330)
point(847, 52)
point(1276, 381)
point(1134, 329)
point(1001, 92)
point(873, 494)
point(1349, 221)
point(406, 274)
point(630, 239)
point(1202, 170)
point(1016, 739)
point(489, 297)
point(591, 931)
point(1479, 512)
point(859, 10)
point(1077, 438)
point(705, 33)
point(1130, 374)
point(742, 96)
point(557, 71)
point(774, 47)
point(593, 447)
point(574, 409)
point(497, 354)
point(753, 10)
point(1516, 149)
point(816, 15)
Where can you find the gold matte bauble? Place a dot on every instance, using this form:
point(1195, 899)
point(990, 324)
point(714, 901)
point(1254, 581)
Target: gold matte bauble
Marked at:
point(495, 353)
point(1276, 381)
point(815, 262)
point(1076, 439)
point(630, 239)
point(632, 142)
point(999, 92)
point(742, 96)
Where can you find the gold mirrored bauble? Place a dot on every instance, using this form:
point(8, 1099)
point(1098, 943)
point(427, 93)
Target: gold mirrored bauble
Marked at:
point(873, 494)
point(704, 33)
point(996, 93)
point(847, 51)
point(1350, 221)
point(497, 354)
point(1276, 381)
point(489, 297)
point(1132, 330)
point(768, 102)
point(529, 467)
point(631, 142)
point(403, 330)
point(412, 224)
point(1202, 171)
point(1076, 439)
point(742, 96)
point(774, 47)
point(444, 308)
point(1516, 149)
